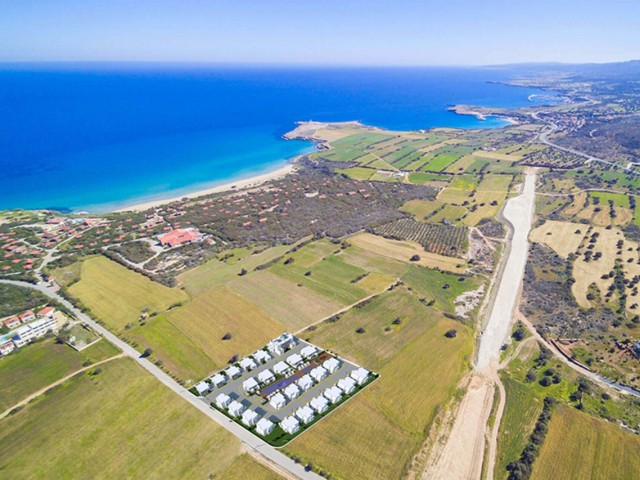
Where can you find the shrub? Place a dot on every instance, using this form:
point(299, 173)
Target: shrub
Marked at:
point(451, 333)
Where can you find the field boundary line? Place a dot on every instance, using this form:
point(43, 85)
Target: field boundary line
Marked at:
point(44, 390)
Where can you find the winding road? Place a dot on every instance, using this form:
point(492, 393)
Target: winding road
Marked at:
point(250, 441)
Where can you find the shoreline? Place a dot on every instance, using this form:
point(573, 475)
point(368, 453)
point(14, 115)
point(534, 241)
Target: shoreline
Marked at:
point(232, 185)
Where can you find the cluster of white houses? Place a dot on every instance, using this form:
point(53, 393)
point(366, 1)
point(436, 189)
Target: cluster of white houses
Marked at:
point(283, 382)
point(29, 326)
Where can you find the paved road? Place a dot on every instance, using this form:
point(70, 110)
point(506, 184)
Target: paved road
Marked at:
point(544, 138)
point(271, 454)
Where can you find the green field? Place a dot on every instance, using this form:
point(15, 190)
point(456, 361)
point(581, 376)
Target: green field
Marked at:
point(421, 208)
point(121, 423)
point(578, 446)
point(423, 177)
point(118, 296)
point(359, 173)
point(33, 367)
point(618, 199)
point(352, 147)
point(376, 434)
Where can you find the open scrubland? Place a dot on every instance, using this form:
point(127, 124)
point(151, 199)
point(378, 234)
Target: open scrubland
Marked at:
point(119, 422)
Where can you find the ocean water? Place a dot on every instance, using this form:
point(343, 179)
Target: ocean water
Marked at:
point(102, 136)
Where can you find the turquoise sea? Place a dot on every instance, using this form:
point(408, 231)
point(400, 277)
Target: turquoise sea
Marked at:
point(102, 136)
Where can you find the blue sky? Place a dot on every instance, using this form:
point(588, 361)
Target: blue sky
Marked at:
point(342, 32)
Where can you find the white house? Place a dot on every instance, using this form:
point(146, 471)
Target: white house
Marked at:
point(249, 418)
point(6, 348)
point(218, 379)
point(290, 425)
point(250, 385)
point(202, 387)
point(305, 383)
point(248, 364)
point(319, 404)
point(223, 400)
point(292, 391)
point(281, 368)
point(284, 342)
point(319, 374)
point(333, 394)
point(236, 408)
point(261, 356)
point(294, 360)
point(360, 375)
point(278, 401)
point(305, 414)
point(233, 372)
point(264, 427)
point(347, 385)
point(266, 377)
point(309, 352)
point(331, 364)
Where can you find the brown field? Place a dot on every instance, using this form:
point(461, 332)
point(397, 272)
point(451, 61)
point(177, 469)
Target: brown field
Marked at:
point(577, 205)
point(281, 299)
point(579, 446)
point(404, 250)
point(560, 236)
point(603, 218)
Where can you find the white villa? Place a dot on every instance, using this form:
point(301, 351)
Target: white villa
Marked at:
point(294, 360)
point(309, 352)
point(236, 408)
point(305, 383)
point(266, 376)
point(319, 374)
point(292, 391)
point(202, 387)
point(233, 372)
point(347, 385)
point(223, 400)
point(333, 394)
point(261, 356)
point(248, 364)
point(305, 414)
point(250, 385)
point(281, 368)
point(264, 427)
point(360, 375)
point(249, 418)
point(278, 401)
point(331, 364)
point(290, 425)
point(218, 379)
point(284, 342)
point(319, 404)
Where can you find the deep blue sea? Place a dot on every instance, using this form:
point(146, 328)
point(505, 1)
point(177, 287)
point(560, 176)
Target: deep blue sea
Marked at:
point(102, 136)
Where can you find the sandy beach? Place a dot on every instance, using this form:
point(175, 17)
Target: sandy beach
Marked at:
point(232, 185)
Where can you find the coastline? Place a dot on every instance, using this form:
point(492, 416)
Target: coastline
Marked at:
point(248, 182)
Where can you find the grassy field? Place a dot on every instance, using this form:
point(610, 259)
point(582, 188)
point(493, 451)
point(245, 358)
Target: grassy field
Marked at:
point(143, 430)
point(117, 296)
point(293, 306)
point(404, 250)
point(245, 467)
point(377, 433)
point(421, 208)
point(578, 446)
point(35, 366)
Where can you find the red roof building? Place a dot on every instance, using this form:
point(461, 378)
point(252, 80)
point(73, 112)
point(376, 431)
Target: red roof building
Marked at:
point(180, 237)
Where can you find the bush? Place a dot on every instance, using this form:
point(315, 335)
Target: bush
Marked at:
point(227, 336)
point(147, 352)
point(415, 258)
point(451, 333)
point(361, 330)
point(545, 381)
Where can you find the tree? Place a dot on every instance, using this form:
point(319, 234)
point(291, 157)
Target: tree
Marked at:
point(242, 272)
point(532, 376)
point(147, 352)
point(227, 336)
point(415, 258)
point(451, 333)
point(361, 330)
point(545, 381)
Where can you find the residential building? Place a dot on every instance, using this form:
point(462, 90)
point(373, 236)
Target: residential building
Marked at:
point(180, 236)
point(319, 404)
point(264, 427)
point(27, 316)
point(261, 356)
point(281, 368)
point(284, 342)
point(319, 374)
point(291, 391)
point(250, 386)
point(202, 388)
point(248, 364)
point(294, 360)
point(266, 376)
point(290, 425)
point(360, 375)
point(219, 379)
point(347, 385)
point(333, 394)
point(331, 364)
point(12, 322)
point(7, 347)
point(46, 312)
point(233, 372)
point(236, 408)
point(223, 400)
point(249, 418)
point(309, 352)
point(305, 383)
point(305, 414)
point(278, 401)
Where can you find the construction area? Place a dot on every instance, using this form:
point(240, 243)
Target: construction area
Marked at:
point(284, 388)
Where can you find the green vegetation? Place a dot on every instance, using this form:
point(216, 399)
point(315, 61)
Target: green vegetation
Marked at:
point(15, 300)
point(60, 435)
point(33, 367)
